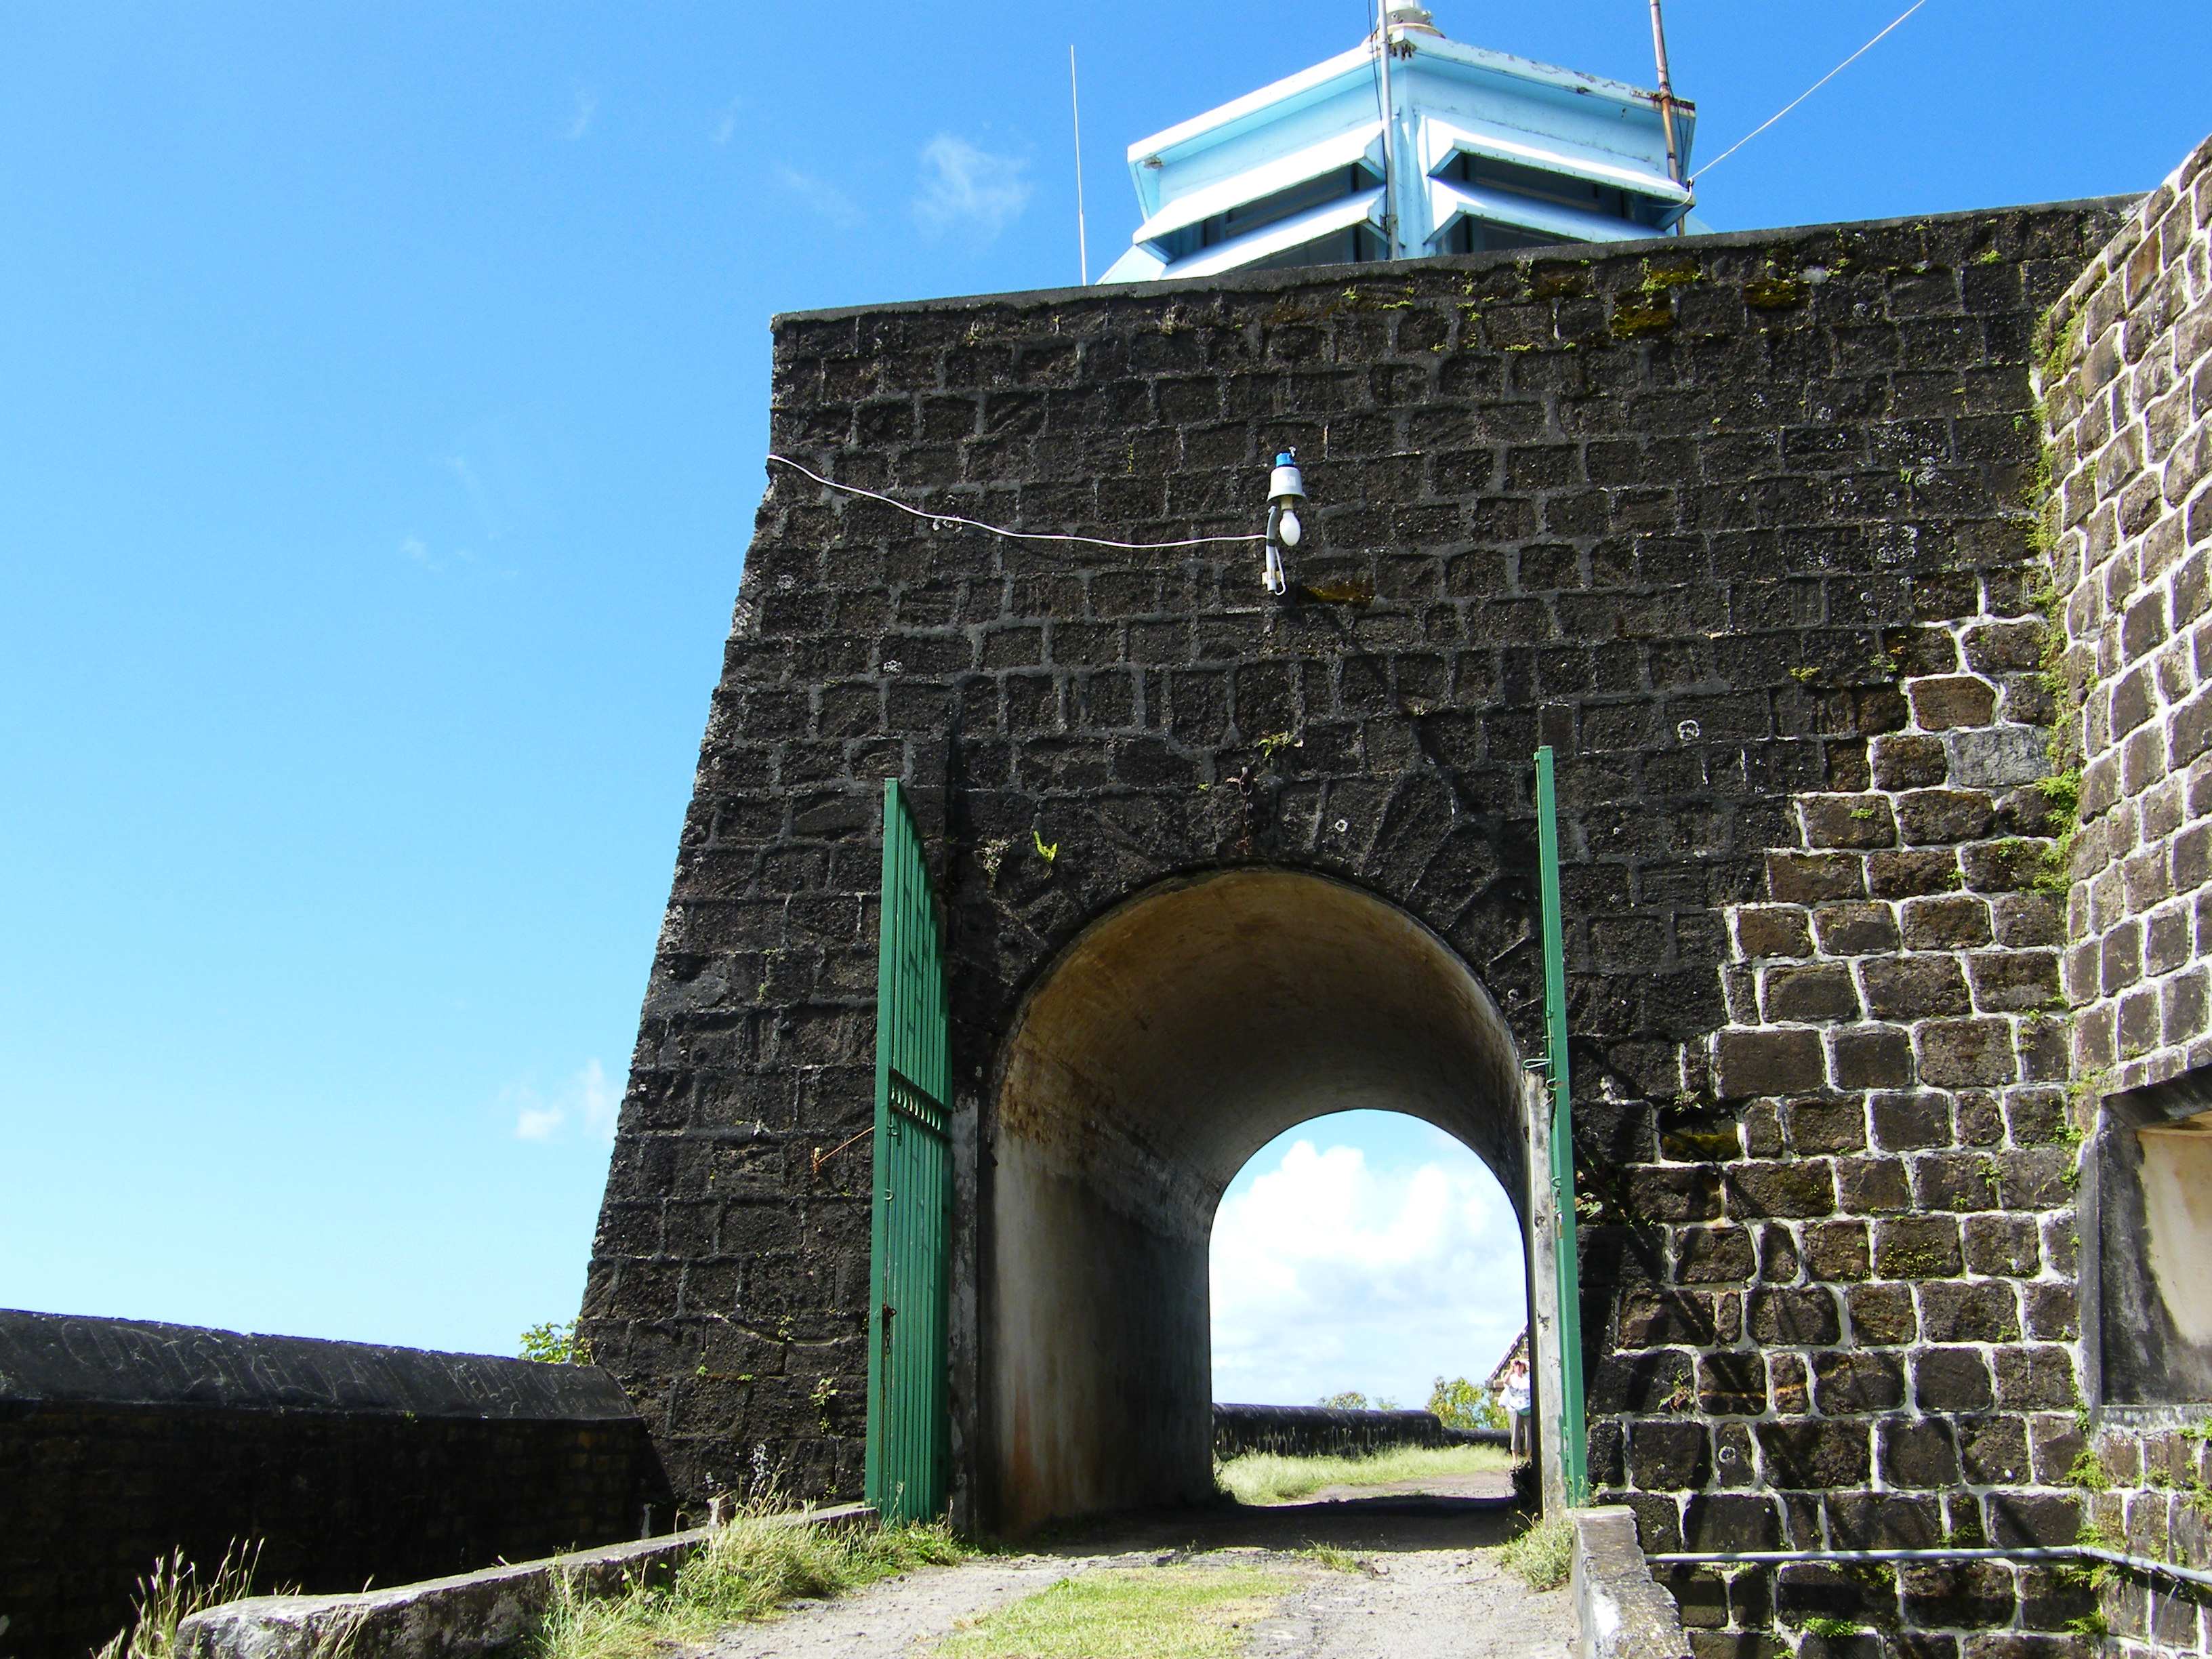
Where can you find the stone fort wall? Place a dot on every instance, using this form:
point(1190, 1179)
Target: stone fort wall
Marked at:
point(1747, 527)
point(2126, 376)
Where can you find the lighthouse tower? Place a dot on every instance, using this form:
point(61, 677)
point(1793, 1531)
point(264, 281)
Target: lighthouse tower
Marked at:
point(1409, 145)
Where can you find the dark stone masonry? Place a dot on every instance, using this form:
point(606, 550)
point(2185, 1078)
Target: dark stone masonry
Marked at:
point(122, 1441)
point(1751, 528)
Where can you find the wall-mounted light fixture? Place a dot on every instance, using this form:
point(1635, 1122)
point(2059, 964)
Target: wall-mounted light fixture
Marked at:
point(1286, 490)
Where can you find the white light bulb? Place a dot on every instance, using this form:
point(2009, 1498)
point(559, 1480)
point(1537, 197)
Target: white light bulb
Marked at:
point(1289, 528)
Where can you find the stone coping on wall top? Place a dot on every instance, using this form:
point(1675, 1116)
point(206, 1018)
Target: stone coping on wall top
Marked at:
point(1621, 1611)
point(52, 1359)
point(469, 1614)
point(1263, 281)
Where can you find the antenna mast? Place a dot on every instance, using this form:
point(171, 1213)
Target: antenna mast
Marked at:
point(1667, 102)
point(1082, 249)
point(1389, 132)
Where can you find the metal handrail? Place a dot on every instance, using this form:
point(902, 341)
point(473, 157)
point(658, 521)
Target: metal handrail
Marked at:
point(2024, 1553)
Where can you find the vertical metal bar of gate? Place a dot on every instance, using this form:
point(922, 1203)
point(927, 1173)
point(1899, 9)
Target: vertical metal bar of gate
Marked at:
point(910, 1224)
point(1574, 1446)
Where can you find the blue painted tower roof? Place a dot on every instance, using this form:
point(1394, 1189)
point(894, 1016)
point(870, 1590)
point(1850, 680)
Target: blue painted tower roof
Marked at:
point(1484, 150)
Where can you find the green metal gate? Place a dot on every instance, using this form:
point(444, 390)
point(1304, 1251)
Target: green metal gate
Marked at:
point(909, 1239)
point(1574, 1446)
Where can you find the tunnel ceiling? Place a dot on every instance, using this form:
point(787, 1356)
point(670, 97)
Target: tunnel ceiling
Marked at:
point(1190, 1026)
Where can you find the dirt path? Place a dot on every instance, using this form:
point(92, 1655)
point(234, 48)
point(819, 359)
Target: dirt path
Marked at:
point(1431, 1588)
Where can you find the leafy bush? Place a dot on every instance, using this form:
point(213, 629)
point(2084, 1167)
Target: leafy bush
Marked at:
point(556, 1344)
point(1460, 1403)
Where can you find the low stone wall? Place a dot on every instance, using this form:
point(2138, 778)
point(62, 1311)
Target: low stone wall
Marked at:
point(122, 1441)
point(1619, 1613)
point(457, 1618)
point(1325, 1431)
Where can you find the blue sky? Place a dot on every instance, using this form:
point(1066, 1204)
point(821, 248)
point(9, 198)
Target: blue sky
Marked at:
point(386, 387)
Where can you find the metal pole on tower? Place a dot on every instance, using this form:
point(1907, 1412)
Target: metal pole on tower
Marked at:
point(1075, 104)
point(1667, 102)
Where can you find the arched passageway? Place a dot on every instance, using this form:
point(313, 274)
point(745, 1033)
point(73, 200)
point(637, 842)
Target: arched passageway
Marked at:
point(1177, 1035)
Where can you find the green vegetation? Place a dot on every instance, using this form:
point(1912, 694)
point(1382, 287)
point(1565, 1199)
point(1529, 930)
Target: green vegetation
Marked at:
point(556, 1344)
point(1272, 1478)
point(1046, 851)
point(2089, 1473)
point(1135, 1612)
point(749, 1568)
point(1822, 1624)
point(1543, 1555)
point(176, 1588)
point(1460, 1403)
point(1336, 1560)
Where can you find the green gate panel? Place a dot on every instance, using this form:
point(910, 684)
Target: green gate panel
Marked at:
point(910, 1233)
point(1574, 1443)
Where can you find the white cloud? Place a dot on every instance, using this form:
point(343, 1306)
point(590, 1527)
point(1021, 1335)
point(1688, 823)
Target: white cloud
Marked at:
point(824, 200)
point(965, 187)
point(590, 1099)
point(726, 123)
point(587, 106)
point(1329, 1274)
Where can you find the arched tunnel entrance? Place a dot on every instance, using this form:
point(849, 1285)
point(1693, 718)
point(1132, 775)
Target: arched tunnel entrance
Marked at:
point(1174, 1038)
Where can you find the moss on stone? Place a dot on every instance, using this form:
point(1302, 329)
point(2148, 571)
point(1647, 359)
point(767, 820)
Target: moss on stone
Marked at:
point(1775, 292)
point(1635, 317)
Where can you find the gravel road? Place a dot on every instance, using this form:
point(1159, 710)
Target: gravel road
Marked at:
point(1431, 1588)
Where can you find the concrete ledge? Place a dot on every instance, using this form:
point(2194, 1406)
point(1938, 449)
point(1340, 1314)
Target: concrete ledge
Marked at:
point(1619, 1613)
point(471, 1614)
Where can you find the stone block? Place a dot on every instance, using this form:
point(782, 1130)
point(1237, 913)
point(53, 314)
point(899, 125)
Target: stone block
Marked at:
point(1815, 877)
point(1871, 1057)
point(1943, 701)
point(1966, 1053)
point(1940, 818)
point(1917, 1247)
point(1919, 1452)
point(1981, 1310)
point(1852, 930)
point(1915, 987)
point(1784, 1188)
point(1815, 1454)
point(1911, 1122)
point(1714, 1256)
point(1908, 761)
point(1997, 757)
point(1836, 1252)
point(1847, 821)
point(1813, 992)
point(1752, 1062)
point(1773, 930)
point(1950, 1379)
point(1794, 1318)
point(1848, 1381)
point(1947, 921)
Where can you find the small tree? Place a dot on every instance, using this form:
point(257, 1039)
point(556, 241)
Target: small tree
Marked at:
point(1350, 1400)
point(551, 1344)
point(1460, 1403)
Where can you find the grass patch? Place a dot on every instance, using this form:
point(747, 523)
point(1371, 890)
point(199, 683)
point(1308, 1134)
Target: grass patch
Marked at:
point(1336, 1560)
point(1270, 1478)
point(1137, 1613)
point(751, 1567)
point(176, 1588)
point(1543, 1555)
